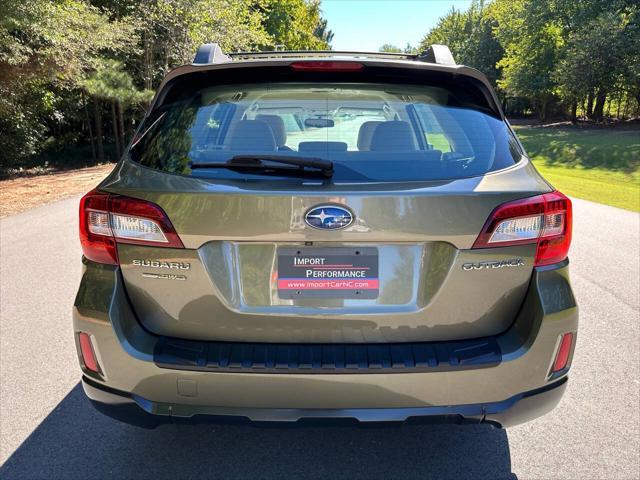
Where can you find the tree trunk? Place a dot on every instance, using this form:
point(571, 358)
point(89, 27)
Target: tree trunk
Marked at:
point(130, 122)
point(116, 137)
point(542, 109)
point(598, 109)
point(88, 120)
point(97, 113)
point(589, 111)
point(573, 113)
point(148, 78)
point(123, 139)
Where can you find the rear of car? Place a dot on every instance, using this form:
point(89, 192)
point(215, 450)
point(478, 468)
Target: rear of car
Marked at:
point(337, 237)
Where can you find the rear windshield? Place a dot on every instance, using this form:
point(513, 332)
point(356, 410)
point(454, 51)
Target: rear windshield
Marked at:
point(371, 132)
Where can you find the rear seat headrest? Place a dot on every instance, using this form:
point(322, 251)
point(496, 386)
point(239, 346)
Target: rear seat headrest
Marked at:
point(277, 126)
point(252, 135)
point(365, 134)
point(393, 136)
point(318, 146)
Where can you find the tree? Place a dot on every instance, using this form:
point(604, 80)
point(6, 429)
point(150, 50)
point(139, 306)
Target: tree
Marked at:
point(172, 30)
point(296, 24)
point(46, 48)
point(596, 59)
point(550, 55)
point(111, 83)
point(531, 49)
point(469, 36)
point(409, 49)
point(323, 33)
point(49, 48)
point(389, 48)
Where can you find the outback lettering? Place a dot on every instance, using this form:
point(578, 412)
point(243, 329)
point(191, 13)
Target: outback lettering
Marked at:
point(514, 262)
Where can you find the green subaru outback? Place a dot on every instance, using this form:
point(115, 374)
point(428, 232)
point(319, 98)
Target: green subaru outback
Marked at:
point(300, 235)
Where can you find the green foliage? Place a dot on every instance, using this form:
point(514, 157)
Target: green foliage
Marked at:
point(601, 56)
point(58, 39)
point(296, 24)
point(63, 63)
point(172, 30)
point(529, 56)
point(20, 123)
point(389, 48)
point(323, 33)
point(46, 49)
point(470, 37)
point(109, 81)
point(554, 56)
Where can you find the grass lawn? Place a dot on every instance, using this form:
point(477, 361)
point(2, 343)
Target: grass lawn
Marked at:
point(601, 165)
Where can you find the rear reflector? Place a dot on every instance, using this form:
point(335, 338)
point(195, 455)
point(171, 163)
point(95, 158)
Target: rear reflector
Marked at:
point(562, 357)
point(107, 219)
point(544, 220)
point(88, 357)
point(327, 66)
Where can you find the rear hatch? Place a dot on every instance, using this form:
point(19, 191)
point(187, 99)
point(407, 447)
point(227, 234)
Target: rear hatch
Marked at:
point(377, 250)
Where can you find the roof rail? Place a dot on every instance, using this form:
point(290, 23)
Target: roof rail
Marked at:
point(212, 53)
point(318, 54)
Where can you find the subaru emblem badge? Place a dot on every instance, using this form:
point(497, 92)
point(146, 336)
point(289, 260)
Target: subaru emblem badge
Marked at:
point(328, 217)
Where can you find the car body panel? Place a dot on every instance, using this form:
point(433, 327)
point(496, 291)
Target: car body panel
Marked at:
point(126, 351)
point(423, 235)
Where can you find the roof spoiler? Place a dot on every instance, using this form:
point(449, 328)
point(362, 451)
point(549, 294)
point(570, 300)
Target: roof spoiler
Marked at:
point(211, 53)
point(439, 54)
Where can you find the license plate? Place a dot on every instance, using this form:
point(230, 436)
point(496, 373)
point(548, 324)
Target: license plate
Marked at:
point(341, 272)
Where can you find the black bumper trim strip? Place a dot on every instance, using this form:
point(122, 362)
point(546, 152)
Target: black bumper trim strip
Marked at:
point(239, 357)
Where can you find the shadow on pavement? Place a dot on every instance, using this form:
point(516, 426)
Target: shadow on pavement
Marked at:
point(75, 441)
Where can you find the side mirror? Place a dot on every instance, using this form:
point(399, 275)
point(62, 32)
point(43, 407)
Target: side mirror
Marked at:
point(319, 122)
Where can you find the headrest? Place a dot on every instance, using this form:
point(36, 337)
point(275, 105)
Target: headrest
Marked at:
point(252, 135)
point(322, 147)
point(277, 126)
point(365, 134)
point(393, 136)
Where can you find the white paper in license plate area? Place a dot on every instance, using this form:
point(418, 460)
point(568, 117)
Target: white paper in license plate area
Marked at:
point(341, 272)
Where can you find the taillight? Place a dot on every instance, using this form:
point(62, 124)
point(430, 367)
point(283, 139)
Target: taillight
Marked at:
point(88, 355)
point(327, 66)
point(564, 351)
point(544, 220)
point(107, 219)
point(95, 233)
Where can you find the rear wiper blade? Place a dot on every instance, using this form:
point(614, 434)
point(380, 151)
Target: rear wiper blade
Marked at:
point(297, 166)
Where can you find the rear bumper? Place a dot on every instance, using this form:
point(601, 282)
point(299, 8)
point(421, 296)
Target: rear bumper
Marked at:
point(138, 411)
point(515, 389)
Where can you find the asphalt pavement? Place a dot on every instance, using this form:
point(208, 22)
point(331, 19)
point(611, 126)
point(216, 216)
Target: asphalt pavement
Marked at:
point(49, 430)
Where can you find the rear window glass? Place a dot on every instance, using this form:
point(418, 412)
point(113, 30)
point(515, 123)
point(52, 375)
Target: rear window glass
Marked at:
point(371, 132)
